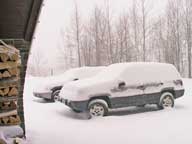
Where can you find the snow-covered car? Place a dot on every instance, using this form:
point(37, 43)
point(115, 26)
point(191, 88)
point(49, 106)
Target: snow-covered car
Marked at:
point(122, 85)
point(50, 87)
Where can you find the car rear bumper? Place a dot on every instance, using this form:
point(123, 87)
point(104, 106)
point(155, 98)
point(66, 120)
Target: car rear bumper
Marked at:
point(45, 95)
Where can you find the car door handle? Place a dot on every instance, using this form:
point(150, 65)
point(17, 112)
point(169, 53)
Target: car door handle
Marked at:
point(141, 87)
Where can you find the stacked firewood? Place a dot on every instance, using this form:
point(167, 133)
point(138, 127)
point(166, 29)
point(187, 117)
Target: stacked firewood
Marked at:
point(9, 80)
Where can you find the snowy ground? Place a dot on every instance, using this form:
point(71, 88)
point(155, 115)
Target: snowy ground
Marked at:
point(54, 123)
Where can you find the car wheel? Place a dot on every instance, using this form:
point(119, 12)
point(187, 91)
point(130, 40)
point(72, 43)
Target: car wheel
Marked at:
point(98, 107)
point(166, 100)
point(55, 95)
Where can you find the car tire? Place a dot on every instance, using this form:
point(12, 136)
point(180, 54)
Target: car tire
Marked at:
point(54, 94)
point(166, 100)
point(76, 111)
point(141, 106)
point(47, 100)
point(98, 107)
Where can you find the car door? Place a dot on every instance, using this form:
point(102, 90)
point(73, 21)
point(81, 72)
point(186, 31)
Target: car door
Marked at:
point(125, 93)
point(152, 92)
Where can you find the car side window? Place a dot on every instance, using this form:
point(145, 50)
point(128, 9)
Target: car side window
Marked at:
point(131, 76)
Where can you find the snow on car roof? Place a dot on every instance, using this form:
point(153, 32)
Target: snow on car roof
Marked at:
point(85, 71)
point(77, 73)
point(69, 75)
point(133, 73)
point(142, 70)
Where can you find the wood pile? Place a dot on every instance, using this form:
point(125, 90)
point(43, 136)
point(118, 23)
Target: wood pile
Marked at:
point(9, 79)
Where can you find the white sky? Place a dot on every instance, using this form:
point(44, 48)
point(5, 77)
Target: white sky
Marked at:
point(56, 15)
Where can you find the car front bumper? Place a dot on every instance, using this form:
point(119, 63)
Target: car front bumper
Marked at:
point(75, 105)
point(179, 93)
point(45, 95)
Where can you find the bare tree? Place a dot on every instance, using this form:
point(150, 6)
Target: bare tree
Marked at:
point(36, 64)
point(132, 36)
point(73, 36)
point(155, 40)
point(144, 21)
point(120, 40)
point(97, 14)
point(135, 27)
point(109, 33)
point(174, 31)
point(123, 32)
point(188, 32)
point(99, 32)
point(77, 30)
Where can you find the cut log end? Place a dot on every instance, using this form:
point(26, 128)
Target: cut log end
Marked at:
point(6, 91)
point(6, 74)
point(10, 120)
point(9, 105)
point(14, 71)
point(4, 57)
point(14, 57)
point(13, 92)
point(1, 93)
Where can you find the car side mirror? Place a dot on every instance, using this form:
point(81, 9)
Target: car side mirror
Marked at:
point(121, 85)
point(75, 79)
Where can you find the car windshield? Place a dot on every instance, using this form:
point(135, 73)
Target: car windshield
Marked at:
point(66, 76)
point(113, 71)
point(83, 72)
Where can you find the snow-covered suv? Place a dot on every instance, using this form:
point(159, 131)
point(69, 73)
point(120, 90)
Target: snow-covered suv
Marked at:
point(123, 85)
point(50, 87)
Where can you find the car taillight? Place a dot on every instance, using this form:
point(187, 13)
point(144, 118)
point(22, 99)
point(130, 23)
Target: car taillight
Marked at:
point(178, 82)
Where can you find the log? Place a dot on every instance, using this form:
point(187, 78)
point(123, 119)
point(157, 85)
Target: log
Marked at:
point(4, 57)
point(1, 93)
point(13, 104)
point(5, 120)
point(13, 112)
point(9, 64)
point(9, 91)
point(10, 120)
point(6, 74)
point(14, 57)
point(5, 98)
point(1, 75)
point(10, 82)
point(4, 106)
point(8, 105)
point(10, 51)
point(13, 71)
point(13, 92)
point(14, 119)
point(18, 63)
point(6, 91)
